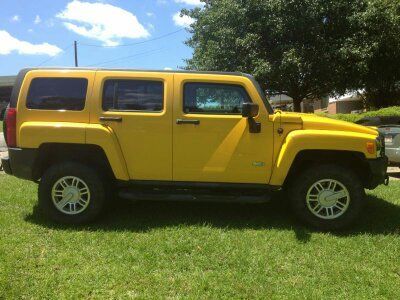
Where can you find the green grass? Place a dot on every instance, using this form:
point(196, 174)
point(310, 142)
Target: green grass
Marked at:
point(196, 250)
point(1, 126)
point(388, 111)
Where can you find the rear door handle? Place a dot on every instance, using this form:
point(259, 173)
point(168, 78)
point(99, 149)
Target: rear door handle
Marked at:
point(113, 119)
point(182, 121)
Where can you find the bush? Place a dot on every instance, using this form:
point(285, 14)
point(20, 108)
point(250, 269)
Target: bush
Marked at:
point(388, 111)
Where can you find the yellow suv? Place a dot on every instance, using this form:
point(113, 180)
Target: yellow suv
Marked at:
point(84, 133)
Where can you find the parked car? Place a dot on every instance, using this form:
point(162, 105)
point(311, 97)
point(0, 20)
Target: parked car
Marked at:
point(392, 141)
point(82, 133)
point(389, 126)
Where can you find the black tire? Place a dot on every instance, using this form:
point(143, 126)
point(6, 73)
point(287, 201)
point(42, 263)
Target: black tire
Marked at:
point(299, 188)
point(95, 183)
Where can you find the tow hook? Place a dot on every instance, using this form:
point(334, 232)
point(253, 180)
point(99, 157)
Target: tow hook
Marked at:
point(386, 180)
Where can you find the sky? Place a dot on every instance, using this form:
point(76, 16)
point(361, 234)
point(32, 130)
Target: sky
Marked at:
point(142, 34)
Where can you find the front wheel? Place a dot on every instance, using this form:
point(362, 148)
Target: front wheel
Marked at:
point(72, 193)
point(327, 197)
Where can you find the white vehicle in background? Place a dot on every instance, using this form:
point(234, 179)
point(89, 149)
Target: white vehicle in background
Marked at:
point(390, 127)
point(392, 142)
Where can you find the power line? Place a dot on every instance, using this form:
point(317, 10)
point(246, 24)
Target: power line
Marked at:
point(125, 57)
point(52, 57)
point(133, 44)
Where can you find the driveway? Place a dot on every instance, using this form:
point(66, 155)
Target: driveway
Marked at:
point(394, 173)
point(2, 143)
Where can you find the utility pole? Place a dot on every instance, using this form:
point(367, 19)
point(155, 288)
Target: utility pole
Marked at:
point(76, 53)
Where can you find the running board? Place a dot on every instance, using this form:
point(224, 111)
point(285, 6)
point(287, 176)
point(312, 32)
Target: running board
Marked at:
point(188, 196)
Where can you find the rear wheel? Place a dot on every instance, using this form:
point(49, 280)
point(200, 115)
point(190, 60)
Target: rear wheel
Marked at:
point(72, 193)
point(327, 197)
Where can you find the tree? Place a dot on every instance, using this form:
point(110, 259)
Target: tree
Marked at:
point(381, 22)
point(290, 46)
point(369, 58)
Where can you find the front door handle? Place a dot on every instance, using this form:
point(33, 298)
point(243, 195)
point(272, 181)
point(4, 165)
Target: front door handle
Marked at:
point(182, 121)
point(113, 119)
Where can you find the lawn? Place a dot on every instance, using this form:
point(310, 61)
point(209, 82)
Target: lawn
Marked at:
point(196, 250)
point(1, 126)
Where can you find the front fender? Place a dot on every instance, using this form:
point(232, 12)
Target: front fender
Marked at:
point(300, 140)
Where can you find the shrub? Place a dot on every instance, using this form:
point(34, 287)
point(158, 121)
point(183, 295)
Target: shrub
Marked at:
point(387, 111)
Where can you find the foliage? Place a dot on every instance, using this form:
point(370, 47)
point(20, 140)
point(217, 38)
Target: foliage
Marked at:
point(372, 53)
point(289, 46)
point(305, 49)
point(388, 111)
point(181, 250)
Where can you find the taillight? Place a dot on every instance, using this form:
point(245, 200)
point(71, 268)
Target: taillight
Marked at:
point(11, 127)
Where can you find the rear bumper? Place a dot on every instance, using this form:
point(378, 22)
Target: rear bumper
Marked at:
point(20, 162)
point(378, 172)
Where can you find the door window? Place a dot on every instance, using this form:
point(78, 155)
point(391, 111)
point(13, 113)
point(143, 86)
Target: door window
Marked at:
point(57, 93)
point(212, 98)
point(133, 95)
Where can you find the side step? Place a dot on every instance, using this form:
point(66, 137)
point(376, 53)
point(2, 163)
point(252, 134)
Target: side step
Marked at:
point(189, 195)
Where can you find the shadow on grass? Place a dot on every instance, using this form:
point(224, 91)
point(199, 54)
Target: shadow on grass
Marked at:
point(379, 217)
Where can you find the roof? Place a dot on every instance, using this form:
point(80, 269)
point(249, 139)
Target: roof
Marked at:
point(350, 96)
point(143, 70)
point(7, 80)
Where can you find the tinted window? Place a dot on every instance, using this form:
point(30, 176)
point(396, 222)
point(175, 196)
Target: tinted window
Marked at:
point(214, 98)
point(57, 93)
point(133, 95)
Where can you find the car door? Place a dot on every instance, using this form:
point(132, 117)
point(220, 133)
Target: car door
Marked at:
point(137, 107)
point(211, 140)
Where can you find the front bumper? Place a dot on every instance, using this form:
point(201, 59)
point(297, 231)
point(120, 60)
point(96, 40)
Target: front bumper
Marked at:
point(378, 172)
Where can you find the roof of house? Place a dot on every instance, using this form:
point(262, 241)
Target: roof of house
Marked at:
point(7, 80)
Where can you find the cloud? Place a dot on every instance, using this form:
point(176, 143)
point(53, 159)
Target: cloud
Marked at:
point(15, 18)
point(182, 21)
point(10, 44)
point(191, 2)
point(168, 69)
point(37, 19)
point(150, 14)
point(103, 22)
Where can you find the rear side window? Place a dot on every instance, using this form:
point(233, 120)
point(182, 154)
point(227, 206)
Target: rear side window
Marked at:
point(133, 95)
point(212, 98)
point(57, 93)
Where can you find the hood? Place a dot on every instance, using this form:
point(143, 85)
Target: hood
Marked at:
point(311, 121)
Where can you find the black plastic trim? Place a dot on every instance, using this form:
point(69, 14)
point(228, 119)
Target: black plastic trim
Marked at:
point(17, 87)
point(378, 171)
point(21, 162)
point(197, 185)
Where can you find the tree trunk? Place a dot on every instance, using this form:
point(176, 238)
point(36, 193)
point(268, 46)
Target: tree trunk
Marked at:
point(296, 105)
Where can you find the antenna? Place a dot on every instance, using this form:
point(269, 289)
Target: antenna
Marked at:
point(76, 53)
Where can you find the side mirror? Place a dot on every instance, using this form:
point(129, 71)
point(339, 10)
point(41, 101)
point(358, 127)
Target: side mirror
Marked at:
point(249, 110)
